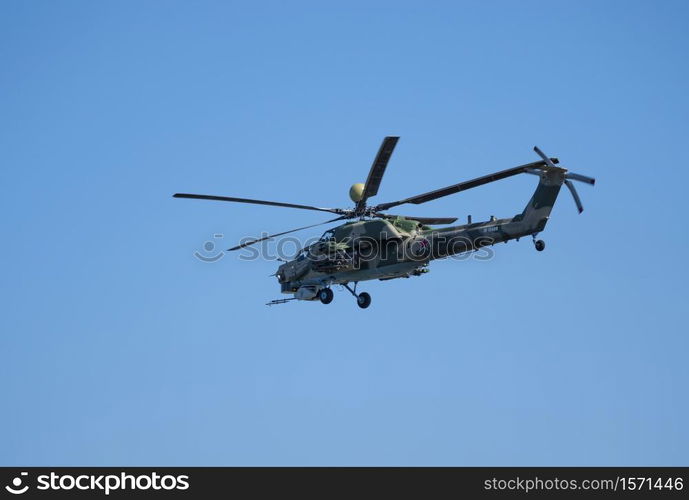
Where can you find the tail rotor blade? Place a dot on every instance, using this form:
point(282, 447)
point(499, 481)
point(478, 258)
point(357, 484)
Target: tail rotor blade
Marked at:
point(547, 160)
point(580, 178)
point(575, 195)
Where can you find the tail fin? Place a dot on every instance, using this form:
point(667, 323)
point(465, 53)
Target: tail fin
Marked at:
point(537, 211)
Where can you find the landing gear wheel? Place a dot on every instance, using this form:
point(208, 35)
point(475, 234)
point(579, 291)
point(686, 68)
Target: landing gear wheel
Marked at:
point(326, 295)
point(363, 300)
point(540, 245)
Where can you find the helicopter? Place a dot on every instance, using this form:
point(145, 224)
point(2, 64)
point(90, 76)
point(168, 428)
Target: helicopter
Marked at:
point(374, 244)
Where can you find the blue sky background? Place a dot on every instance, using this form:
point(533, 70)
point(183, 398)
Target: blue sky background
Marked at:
point(120, 348)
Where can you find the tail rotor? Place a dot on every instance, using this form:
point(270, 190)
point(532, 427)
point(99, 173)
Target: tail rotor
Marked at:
point(569, 177)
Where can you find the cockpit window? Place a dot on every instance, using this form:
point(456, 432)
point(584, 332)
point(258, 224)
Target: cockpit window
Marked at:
point(329, 235)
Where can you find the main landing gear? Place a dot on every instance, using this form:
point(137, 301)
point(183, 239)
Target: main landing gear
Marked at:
point(326, 295)
point(363, 299)
point(539, 244)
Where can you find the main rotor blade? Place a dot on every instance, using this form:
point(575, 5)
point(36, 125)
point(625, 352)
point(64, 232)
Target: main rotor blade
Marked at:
point(580, 178)
point(255, 202)
point(462, 186)
point(575, 195)
point(375, 175)
point(424, 220)
point(246, 244)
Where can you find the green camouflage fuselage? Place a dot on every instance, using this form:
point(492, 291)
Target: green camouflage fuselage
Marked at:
point(397, 247)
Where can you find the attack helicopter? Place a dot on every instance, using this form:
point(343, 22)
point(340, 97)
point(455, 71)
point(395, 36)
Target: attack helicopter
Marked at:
point(374, 244)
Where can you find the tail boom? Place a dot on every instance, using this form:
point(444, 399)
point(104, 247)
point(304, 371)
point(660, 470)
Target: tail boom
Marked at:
point(459, 239)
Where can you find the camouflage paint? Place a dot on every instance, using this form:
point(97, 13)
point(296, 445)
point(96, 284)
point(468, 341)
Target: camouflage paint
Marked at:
point(397, 247)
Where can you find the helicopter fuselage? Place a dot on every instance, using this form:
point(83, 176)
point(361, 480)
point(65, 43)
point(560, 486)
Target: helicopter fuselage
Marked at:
point(397, 247)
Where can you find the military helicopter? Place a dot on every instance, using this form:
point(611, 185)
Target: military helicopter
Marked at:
point(374, 244)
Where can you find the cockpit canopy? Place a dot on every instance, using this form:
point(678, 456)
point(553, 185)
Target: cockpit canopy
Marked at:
point(329, 235)
point(376, 229)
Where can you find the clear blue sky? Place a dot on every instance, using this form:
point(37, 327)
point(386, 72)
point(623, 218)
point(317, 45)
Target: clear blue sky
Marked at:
point(120, 348)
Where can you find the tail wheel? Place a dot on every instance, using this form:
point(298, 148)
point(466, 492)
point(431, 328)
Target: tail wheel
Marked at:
point(540, 245)
point(326, 295)
point(363, 300)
